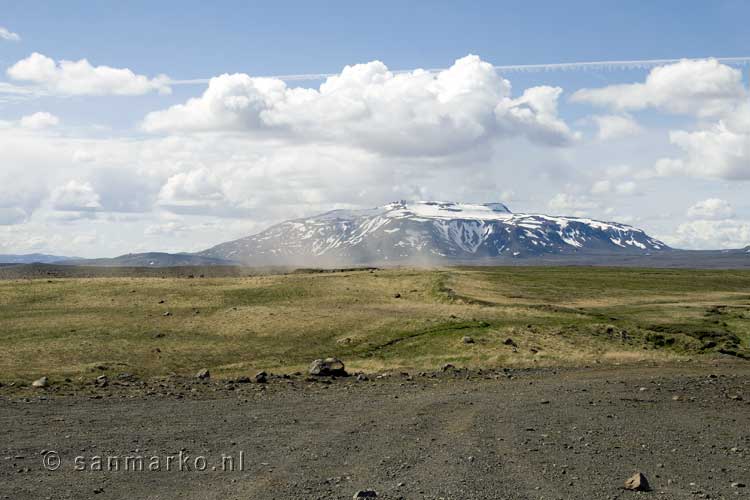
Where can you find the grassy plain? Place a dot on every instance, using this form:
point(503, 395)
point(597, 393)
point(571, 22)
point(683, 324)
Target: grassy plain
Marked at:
point(279, 323)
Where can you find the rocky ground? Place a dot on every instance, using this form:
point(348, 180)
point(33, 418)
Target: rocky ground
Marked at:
point(537, 434)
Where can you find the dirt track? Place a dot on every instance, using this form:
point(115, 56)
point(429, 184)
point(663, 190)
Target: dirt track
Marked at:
point(570, 434)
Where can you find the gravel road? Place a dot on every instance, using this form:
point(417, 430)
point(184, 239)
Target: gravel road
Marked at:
point(568, 434)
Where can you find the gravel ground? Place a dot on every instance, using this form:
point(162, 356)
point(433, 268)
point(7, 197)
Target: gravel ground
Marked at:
point(546, 434)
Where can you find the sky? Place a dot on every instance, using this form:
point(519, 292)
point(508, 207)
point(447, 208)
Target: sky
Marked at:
point(164, 126)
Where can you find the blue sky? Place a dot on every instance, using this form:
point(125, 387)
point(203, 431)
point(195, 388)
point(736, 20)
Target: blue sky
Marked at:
point(190, 39)
point(121, 168)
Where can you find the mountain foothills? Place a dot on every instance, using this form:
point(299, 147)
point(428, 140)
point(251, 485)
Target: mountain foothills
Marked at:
point(431, 232)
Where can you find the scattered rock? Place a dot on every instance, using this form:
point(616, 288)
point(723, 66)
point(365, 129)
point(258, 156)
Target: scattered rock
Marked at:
point(261, 377)
point(738, 485)
point(637, 482)
point(510, 341)
point(362, 378)
point(244, 379)
point(365, 494)
point(167, 314)
point(204, 374)
point(40, 383)
point(161, 301)
point(467, 340)
point(735, 397)
point(448, 367)
point(396, 296)
point(102, 381)
point(328, 367)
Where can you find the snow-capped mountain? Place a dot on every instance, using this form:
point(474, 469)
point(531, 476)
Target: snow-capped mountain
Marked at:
point(430, 231)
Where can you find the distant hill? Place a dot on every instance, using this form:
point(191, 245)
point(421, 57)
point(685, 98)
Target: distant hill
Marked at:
point(151, 259)
point(33, 258)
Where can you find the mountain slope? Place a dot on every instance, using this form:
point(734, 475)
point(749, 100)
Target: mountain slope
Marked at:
point(404, 232)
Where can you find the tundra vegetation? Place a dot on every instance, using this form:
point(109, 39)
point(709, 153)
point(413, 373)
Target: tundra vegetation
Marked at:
point(374, 320)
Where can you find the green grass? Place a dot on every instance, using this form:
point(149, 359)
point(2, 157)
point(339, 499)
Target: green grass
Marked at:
point(556, 316)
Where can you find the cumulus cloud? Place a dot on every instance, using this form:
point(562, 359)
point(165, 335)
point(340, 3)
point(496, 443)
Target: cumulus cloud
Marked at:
point(709, 234)
point(198, 188)
point(39, 120)
point(6, 34)
point(568, 204)
point(81, 78)
point(712, 208)
point(703, 87)
point(718, 150)
point(366, 105)
point(616, 126)
point(75, 196)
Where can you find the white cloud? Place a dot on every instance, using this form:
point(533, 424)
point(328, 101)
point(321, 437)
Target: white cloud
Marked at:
point(628, 187)
point(199, 188)
point(81, 78)
point(610, 185)
point(711, 234)
point(75, 196)
point(720, 150)
point(568, 204)
point(712, 208)
point(616, 126)
point(601, 187)
point(367, 106)
point(39, 120)
point(703, 87)
point(6, 34)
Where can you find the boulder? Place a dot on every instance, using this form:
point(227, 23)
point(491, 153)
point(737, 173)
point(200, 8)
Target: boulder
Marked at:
point(40, 383)
point(328, 367)
point(467, 340)
point(365, 494)
point(261, 377)
point(204, 374)
point(637, 482)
